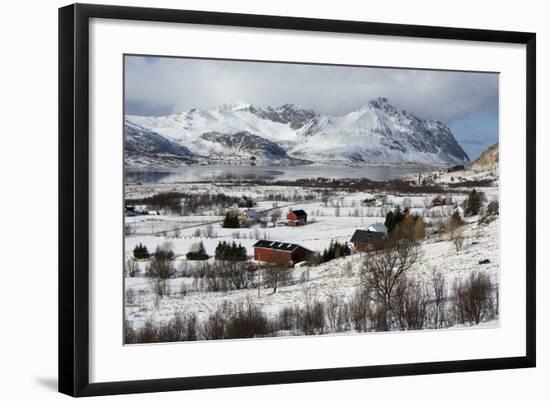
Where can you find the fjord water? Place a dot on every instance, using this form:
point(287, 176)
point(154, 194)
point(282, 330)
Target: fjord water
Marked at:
point(208, 173)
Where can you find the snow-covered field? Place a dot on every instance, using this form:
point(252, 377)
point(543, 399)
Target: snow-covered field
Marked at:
point(335, 218)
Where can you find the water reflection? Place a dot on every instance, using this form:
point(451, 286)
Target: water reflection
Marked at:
point(269, 173)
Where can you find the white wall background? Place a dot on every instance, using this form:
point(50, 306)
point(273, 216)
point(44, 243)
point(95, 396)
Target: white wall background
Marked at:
point(28, 178)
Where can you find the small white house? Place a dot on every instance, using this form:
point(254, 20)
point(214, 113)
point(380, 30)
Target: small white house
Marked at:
point(247, 217)
point(380, 200)
point(378, 228)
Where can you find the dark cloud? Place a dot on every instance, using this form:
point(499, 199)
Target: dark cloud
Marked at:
point(181, 84)
point(156, 86)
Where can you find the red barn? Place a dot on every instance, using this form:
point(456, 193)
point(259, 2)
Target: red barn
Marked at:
point(279, 252)
point(297, 218)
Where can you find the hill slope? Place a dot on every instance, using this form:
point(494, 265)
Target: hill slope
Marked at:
point(488, 159)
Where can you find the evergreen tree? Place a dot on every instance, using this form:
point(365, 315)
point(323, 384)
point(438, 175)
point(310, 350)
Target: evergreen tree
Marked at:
point(474, 202)
point(141, 252)
point(230, 252)
point(231, 220)
point(394, 218)
point(335, 250)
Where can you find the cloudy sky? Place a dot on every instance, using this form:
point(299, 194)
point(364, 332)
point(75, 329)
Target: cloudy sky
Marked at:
point(466, 102)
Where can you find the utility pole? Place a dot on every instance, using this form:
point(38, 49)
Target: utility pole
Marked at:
point(259, 281)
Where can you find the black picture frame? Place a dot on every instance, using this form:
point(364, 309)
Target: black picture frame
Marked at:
point(74, 201)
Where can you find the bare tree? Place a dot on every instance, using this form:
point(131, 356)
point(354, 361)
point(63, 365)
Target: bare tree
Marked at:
point(410, 304)
point(332, 305)
point(128, 229)
point(160, 270)
point(131, 267)
point(472, 299)
point(276, 274)
point(383, 269)
point(130, 296)
point(209, 231)
point(235, 274)
point(360, 309)
point(275, 215)
point(457, 238)
point(439, 290)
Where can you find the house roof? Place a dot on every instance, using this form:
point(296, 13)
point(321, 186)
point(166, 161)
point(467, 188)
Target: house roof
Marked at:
point(366, 237)
point(250, 213)
point(378, 227)
point(280, 246)
point(299, 213)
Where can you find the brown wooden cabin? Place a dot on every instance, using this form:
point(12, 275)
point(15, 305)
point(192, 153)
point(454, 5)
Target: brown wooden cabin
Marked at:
point(366, 241)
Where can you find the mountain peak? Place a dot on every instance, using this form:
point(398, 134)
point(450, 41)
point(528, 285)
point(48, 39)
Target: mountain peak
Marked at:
point(289, 106)
point(236, 105)
point(379, 102)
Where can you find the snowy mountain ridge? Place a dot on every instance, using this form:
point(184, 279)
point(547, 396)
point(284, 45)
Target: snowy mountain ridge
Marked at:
point(376, 133)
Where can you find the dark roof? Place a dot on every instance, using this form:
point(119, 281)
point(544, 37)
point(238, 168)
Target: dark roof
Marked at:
point(299, 213)
point(281, 246)
point(366, 237)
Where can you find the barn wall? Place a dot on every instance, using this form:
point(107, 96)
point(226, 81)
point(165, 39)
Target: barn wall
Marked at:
point(272, 255)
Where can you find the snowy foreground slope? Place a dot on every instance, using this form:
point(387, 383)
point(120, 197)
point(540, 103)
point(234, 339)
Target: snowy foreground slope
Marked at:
point(377, 133)
point(339, 278)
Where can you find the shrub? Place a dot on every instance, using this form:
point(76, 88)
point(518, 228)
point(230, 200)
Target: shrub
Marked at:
point(410, 304)
point(472, 299)
point(311, 319)
point(492, 208)
point(214, 326)
point(287, 319)
point(247, 321)
point(335, 250)
point(164, 251)
point(180, 328)
point(197, 252)
point(141, 252)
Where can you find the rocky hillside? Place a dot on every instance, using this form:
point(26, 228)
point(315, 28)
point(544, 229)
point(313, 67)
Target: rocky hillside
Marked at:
point(488, 160)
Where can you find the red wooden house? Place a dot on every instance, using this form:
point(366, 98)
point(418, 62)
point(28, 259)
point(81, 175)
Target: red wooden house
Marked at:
point(439, 201)
point(281, 253)
point(296, 218)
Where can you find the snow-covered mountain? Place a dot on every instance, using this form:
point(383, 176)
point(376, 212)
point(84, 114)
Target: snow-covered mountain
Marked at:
point(143, 147)
point(377, 133)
